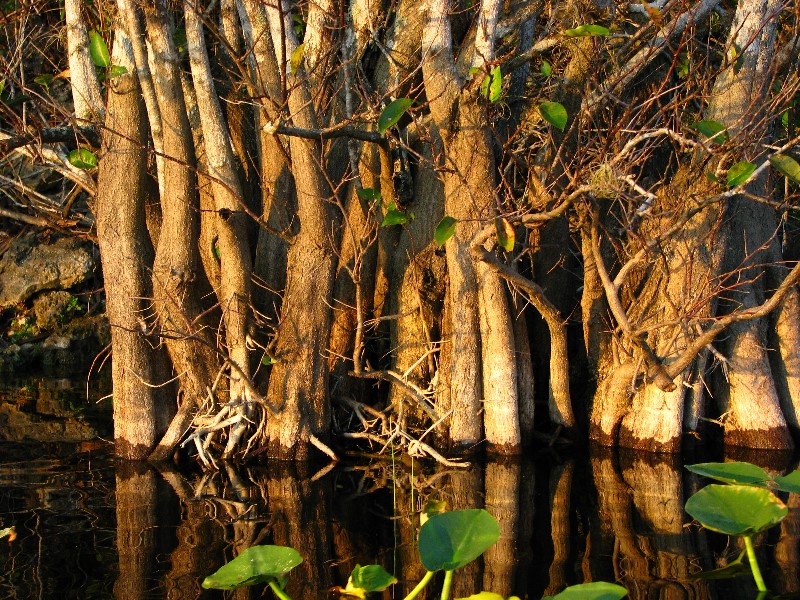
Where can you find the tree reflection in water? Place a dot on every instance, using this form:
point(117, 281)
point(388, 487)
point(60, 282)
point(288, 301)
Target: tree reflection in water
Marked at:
point(614, 517)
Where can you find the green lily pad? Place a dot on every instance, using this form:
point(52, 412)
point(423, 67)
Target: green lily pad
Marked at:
point(788, 483)
point(735, 568)
point(743, 473)
point(450, 540)
point(257, 564)
point(597, 590)
point(736, 509)
point(369, 578)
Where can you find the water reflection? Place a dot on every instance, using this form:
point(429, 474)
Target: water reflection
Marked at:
point(89, 527)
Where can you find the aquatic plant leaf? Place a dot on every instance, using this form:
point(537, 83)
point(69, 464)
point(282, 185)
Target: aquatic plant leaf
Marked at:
point(713, 130)
point(257, 564)
point(392, 113)
point(82, 158)
point(484, 596)
point(369, 578)
point(740, 172)
point(788, 483)
point(587, 30)
point(786, 165)
point(736, 509)
point(735, 568)
point(445, 230)
point(597, 590)
point(743, 473)
point(450, 540)
point(98, 50)
point(554, 113)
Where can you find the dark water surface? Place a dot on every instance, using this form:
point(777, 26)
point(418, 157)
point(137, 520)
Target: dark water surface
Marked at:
point(91, 527)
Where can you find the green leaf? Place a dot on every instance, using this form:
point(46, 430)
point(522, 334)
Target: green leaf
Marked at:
point(682, 67)
point(44, 80)
point(597, 590)
point(394, 217)
point(735, 568)
point(743, 473)
point(257, 564)
point(505, 234)
point(392, 113)
point(296, 59)
point(713, 130)
point(116, 71)
point(2, 85)
point(786, 165)
point(370, 578)
point(714, 178)
point(82, 158)
point(450, 540)
point(788, 483)
point(492, 86)
point(369, 194)
point(484, 596)
point(736, 509)
point(554, 113)
point(267, 359)
point(98, 49)
point(546, 69)
point(740, 172)
point(587, 30)
point(445, 230)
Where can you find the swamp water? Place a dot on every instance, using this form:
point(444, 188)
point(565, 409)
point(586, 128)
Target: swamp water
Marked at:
point(88, 526)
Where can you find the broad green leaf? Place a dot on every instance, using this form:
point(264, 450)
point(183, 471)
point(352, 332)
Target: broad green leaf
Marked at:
point(492, 86)
point(786, 165)
point(82, 158)
point(392, 113)
point(370, 578)
point(450, 540)
point(394, 217)
point(554, 113)
point(713, 130)
point(116, 71)
point(546, 69)
point(484, 596)
point(296, 59)
point(445, 230)
point(267, 359)
point(98, 49)
point(474, 71)
point(788, 483)
point(257, 564)
point(505, 234)
point(736, 509)
point(587, 30)
point(714, 178)
point(735, 568)
point(740, 172)
point(44, 80)
point(743, 473)
point(597, 590)
point(369, 194)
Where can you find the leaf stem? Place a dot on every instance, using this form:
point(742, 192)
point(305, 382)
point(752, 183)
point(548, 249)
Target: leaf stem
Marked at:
point(278, 591)
point(751, 558)
point(422, 583)
point(448, 581)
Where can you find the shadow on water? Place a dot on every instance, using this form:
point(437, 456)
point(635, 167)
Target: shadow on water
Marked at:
point(91, 527)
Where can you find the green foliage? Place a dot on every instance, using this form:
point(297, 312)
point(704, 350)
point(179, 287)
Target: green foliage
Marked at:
point(116, 71)
point(82, 158)
point(267, 360)
point(682, 66)
point(44, 80)
point(554, 113)
point(369, 195)
point(445, 230)
point(740, 172)
point(587, 31)
point(450, 540)
point(732, 472)
point(392, 113)
point(736, 509)
point(488, 596)
point(715, 131)
point(597, 590)
point(296, 59)
point(98, 49)
point(546, 69)
point(735, 568)
point(371, 578)
point(394, 216)
point(257, 564)
point(492, 85)
point(787, 166)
